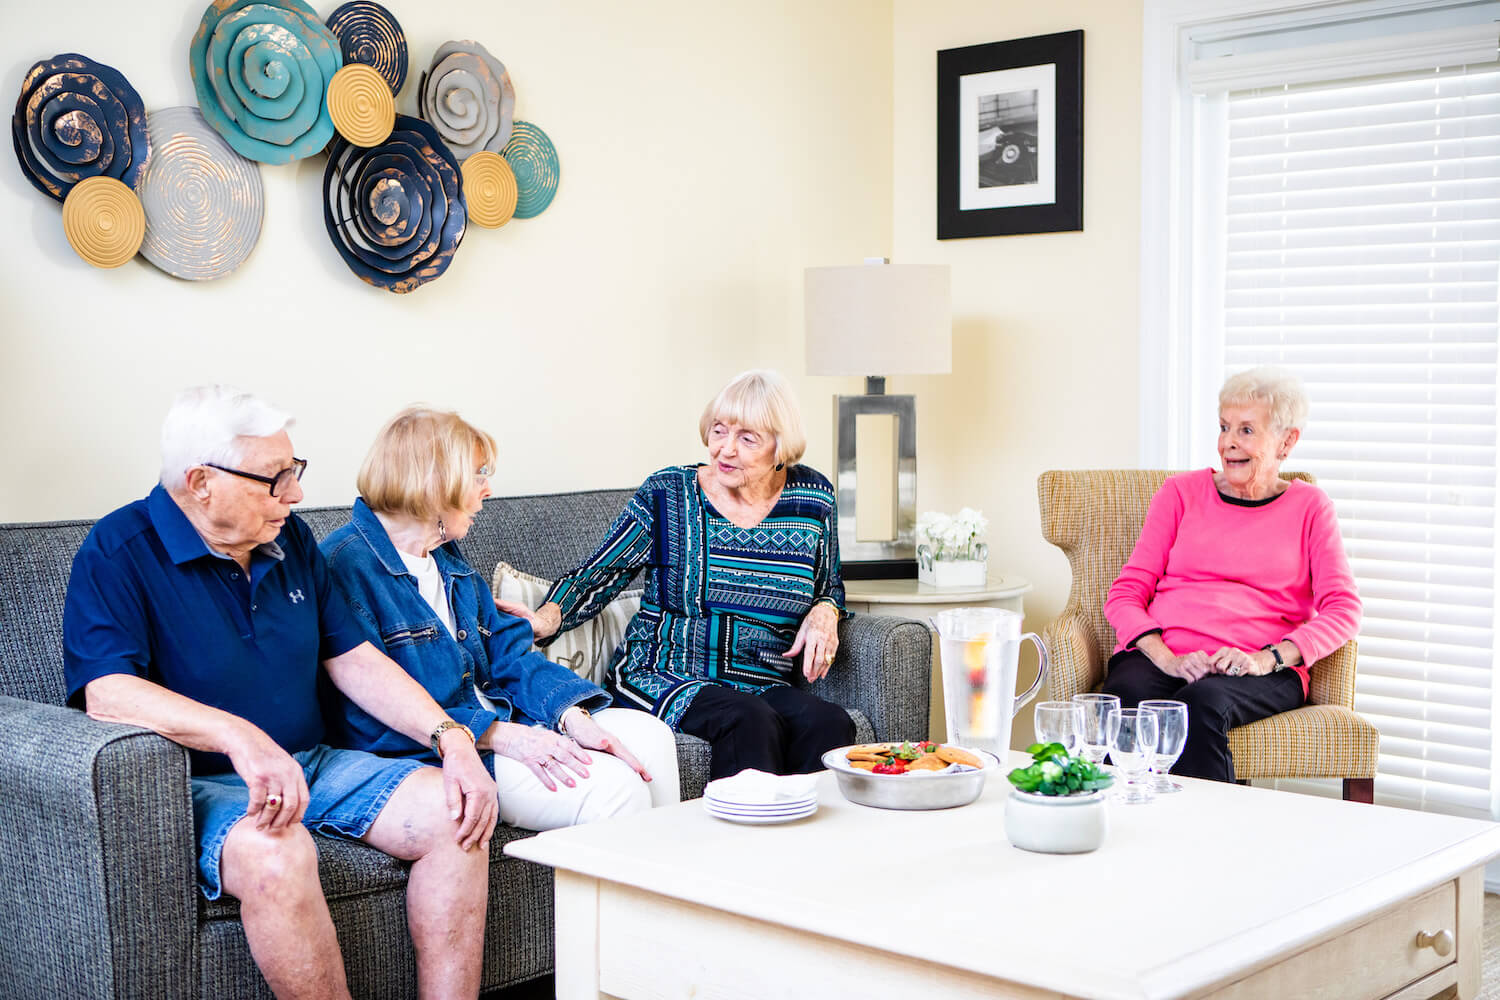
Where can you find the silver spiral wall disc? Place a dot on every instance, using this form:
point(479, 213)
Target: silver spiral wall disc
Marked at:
point(203, 200)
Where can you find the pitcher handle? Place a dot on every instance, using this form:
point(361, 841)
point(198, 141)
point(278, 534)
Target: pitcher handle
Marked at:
point(1041, 674)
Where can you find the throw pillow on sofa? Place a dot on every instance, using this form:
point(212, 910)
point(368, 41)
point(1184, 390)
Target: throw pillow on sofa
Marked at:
point(585, 650)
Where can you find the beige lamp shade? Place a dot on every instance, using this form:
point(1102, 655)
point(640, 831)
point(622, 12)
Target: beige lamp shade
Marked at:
point(878, 319)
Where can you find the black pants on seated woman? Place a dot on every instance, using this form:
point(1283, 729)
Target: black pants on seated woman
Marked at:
point(1216, 704)
point(782, 730)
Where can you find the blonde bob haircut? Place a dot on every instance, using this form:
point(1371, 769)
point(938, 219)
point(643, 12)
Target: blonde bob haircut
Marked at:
point(422, 463)
point(762, 401)
point(1277, 389)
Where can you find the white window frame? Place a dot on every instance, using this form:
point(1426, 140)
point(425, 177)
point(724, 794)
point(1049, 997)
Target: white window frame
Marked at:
point(1179, 375)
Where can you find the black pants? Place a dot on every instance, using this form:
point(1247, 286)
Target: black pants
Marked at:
point(783, 730)
point(1215, 704)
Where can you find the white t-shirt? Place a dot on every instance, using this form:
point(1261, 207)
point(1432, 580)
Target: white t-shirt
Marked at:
point(430, 586)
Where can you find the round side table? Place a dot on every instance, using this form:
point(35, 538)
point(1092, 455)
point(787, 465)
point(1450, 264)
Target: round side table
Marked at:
point(911, 599)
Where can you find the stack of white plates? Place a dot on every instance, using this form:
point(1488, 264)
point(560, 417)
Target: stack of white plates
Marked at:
point(756, 798)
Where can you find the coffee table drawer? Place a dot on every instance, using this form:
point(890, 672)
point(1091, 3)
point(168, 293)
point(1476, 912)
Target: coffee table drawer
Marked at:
point(1373, 960)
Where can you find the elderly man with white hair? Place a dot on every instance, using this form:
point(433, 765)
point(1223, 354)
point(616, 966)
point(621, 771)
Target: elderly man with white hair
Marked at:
point(204, 612)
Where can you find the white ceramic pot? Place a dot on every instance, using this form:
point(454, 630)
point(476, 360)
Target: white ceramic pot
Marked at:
point(953, 573)
point(1056, 824)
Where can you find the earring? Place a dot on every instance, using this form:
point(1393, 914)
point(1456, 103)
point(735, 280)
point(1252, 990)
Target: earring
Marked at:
point(442, 531)
point(780, 466)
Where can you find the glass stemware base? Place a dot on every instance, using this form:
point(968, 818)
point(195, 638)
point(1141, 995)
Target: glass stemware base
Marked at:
point(1134, 793)
point(1163, 785)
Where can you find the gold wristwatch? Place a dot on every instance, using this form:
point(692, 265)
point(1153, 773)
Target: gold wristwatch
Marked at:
point(442, 728)
point(563, 729)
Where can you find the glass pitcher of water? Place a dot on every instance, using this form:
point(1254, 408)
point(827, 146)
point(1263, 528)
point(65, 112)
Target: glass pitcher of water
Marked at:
point(980, 648)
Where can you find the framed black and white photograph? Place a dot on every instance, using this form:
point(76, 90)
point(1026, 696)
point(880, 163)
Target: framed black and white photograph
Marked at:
point(1010, 137)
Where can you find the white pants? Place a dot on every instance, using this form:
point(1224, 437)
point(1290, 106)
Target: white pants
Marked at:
point(612, 787)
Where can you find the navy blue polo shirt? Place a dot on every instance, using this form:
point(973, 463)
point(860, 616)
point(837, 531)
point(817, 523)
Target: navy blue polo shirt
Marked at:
point(148, 597)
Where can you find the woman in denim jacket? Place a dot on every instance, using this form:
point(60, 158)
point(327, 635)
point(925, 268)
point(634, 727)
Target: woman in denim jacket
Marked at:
point(398, 564)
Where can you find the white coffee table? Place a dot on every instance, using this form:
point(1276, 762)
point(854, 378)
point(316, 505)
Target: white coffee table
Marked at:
point(1219, 890)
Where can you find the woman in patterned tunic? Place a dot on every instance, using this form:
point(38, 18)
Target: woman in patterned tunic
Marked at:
point(742, 589)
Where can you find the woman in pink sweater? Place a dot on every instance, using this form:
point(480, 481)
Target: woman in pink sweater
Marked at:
point(1238, 582)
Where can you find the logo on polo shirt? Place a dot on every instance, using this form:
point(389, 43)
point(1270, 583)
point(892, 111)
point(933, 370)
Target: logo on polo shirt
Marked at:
point(296, 595)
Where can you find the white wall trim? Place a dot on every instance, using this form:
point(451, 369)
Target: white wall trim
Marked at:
point(1470, 44)
point(1166, 350)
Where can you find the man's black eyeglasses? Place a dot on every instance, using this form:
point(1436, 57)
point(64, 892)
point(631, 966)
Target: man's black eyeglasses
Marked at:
point(277, 483)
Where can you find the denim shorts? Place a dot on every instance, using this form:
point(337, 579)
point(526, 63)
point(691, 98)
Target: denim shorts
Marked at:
point(346, 788)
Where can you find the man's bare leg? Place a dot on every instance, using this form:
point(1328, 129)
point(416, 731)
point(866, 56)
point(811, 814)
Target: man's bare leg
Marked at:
point(274, 875)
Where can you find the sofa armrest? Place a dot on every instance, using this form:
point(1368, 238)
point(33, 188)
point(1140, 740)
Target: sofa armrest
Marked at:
point(1077, 661)
point(98, 874)
point(884, 669)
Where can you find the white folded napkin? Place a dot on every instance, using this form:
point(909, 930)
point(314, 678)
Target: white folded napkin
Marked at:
point(752, 787)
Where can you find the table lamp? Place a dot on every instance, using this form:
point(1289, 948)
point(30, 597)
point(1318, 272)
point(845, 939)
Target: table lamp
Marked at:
point(893, 319)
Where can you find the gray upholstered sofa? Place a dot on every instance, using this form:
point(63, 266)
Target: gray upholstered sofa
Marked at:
point(97, 892)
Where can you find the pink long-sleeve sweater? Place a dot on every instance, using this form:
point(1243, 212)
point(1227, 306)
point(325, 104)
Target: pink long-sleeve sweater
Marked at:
point(1210, 573)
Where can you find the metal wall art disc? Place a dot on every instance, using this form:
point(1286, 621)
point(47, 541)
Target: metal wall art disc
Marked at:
point(489, 189)
point(468, 97)
point(75, 119)
point(260, 69)
point(370, 35)
point(534, 159)
point(103, 221)
point(362, 107)
point(396, 213)
point(203, 201)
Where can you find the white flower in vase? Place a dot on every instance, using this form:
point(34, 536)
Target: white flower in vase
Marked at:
point(949, 548)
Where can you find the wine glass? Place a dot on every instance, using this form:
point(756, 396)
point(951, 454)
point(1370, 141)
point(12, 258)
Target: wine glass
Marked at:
point(1060, 722)
point(1171, 727)
point(1095, 741)
point(1132, 747)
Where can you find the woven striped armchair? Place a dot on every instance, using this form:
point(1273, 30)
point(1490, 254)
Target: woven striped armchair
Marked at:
point(1095, 516)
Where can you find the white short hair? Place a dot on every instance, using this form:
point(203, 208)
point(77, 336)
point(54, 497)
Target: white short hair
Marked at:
point(1277, 388)
point(204, 425)
point(760, 399)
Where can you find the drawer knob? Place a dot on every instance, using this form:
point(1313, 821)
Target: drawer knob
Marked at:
point(1441, 942)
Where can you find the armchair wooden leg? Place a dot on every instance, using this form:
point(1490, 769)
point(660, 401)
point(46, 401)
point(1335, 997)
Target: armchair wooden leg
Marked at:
point(1359, 790)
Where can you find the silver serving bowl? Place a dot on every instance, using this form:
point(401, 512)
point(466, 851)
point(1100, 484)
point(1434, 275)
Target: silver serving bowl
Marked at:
point(921, 790)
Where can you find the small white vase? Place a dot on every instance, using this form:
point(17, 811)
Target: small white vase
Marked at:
point(952, 572)
point(1056, 824)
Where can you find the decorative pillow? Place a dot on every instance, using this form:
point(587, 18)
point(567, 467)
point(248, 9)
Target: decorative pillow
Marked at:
point(585, 650)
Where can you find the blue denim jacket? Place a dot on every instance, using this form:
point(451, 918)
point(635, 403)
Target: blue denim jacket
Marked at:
point(495, 648)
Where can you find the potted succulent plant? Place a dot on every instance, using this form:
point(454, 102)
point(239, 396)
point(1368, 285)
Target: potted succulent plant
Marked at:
point(1056, 805)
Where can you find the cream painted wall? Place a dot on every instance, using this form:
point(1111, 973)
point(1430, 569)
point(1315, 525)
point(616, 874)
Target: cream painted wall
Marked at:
point(709, 153)
point(1045, 327)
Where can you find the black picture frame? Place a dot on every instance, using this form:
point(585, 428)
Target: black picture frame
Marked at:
point(1006, 167)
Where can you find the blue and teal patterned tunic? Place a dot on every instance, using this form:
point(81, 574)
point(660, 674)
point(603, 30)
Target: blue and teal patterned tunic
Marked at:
point(722, 603)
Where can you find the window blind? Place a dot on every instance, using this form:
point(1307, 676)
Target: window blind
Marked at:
point(1361, 249)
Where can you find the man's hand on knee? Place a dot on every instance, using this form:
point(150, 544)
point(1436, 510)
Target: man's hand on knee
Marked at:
point(278, 789)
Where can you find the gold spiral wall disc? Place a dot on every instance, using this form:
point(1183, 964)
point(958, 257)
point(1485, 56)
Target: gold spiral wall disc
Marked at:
point(490, 189)
point(104, 221)
point(361, 105)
